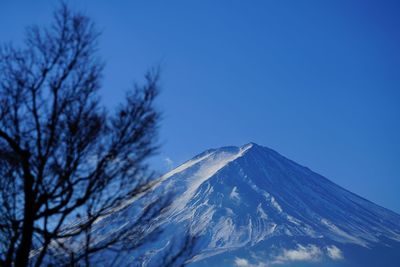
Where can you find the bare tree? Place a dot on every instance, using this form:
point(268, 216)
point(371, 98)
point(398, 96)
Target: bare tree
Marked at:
point(65, 161)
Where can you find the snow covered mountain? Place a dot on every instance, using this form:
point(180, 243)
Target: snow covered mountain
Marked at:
point(250, 206)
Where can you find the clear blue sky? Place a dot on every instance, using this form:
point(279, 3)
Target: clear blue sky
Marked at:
point(318, 81)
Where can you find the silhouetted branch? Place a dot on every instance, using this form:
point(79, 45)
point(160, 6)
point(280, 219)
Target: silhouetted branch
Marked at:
point(65, 162)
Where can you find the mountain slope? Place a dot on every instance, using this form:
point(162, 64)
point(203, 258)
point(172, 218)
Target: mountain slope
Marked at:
point(242, 197)
point(250, 206)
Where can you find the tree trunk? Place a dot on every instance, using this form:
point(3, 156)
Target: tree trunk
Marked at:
point(22, 256)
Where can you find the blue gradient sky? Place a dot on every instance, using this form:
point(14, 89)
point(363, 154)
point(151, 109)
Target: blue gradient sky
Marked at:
point(318, 81)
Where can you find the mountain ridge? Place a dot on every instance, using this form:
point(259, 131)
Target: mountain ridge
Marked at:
point(250, 206)
point(331, 219)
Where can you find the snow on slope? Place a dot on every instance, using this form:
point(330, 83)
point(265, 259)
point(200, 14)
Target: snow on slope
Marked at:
point(251, 201)
point(210, 164)
point(241, 197)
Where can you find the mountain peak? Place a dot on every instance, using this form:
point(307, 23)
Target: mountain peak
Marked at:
point(252, 144)
point(243, 196)
point(249, 202)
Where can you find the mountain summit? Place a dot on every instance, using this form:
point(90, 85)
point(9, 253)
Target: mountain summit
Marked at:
point(251, 206)
point(255, 206)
